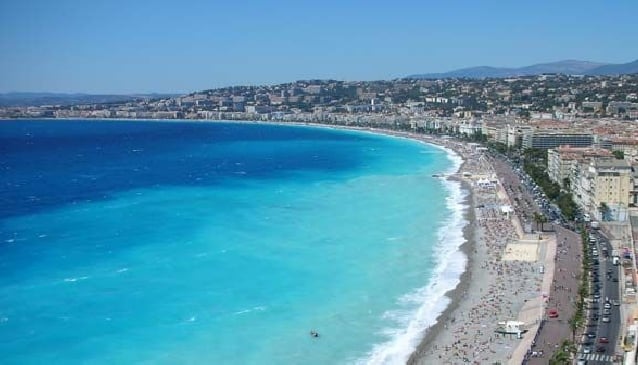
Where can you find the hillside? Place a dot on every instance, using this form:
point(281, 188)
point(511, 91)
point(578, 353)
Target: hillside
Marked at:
point(569, 67)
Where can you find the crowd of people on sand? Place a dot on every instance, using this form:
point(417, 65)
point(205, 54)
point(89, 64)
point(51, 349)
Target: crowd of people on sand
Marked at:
point(499, 288)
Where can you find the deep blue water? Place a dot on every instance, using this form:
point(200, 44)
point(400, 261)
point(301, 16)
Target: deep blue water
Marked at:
point(190, 243)
point(47, 164)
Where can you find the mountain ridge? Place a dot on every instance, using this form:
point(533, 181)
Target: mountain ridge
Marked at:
point(48, 98)
point(571, 67)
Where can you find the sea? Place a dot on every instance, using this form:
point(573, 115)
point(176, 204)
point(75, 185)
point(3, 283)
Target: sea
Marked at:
point(148, 242)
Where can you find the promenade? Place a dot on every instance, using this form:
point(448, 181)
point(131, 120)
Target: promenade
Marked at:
point(566, 264)
point(562, 296)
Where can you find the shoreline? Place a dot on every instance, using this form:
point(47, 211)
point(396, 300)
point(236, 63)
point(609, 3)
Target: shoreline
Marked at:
point(500, 282)
point(458, 294)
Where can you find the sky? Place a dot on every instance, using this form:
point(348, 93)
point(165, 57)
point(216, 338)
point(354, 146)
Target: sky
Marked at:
point(138, 46)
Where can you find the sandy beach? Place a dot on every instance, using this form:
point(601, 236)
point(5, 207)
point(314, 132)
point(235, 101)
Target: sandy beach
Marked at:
point(502, 281)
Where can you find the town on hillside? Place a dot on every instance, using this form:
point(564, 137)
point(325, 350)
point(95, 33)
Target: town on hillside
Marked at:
point(589, 124)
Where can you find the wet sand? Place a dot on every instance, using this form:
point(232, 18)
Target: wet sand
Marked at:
point(459, 293)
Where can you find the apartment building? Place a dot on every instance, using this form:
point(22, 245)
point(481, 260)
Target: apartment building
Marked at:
point(495, 131)
point(546, 139)
point(604, 181)
point(515, 134)
point(561, 160)
point(628, 145)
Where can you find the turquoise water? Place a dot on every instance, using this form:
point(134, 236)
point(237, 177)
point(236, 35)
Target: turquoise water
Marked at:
point(341, 232)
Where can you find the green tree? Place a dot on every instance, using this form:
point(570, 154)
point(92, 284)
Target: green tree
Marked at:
point(499, 147)
point(543, 220)
point(567, 184)
point(567, 205)
point(563, 354)
point(619, 154)
point(575, 322)
point(604, 210)
point(538, 219)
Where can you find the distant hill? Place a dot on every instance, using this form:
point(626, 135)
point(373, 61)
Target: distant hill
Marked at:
point(37, 99)
point(569, 67)
point(620, 69)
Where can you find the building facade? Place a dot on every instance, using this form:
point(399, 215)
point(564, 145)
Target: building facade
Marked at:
point(551, 139)
point(605, 182)
point(561, 160)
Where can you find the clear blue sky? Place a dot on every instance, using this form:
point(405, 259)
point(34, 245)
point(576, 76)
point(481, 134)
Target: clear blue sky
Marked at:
point(135, 46)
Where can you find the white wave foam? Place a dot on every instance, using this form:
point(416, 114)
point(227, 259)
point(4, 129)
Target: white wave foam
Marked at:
point(454, 157)
point(73, 280)
point(430, 301)
point(259, 308)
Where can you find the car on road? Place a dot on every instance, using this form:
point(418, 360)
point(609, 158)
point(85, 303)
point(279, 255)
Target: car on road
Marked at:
point(587, 342)
point(603, 340)
point(615, 302)
point(601, 349)
point(607, 311)
point(586, 350)
point(552, 313)
point(606, 319)
point(607, 305)
point(591, 334)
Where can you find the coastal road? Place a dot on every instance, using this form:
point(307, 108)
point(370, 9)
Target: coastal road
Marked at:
point(604, 316)
point(562, 296)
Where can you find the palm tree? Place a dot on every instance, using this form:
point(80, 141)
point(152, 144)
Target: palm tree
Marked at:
point(573, 325)
point(543, 220)
point(537, 219)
